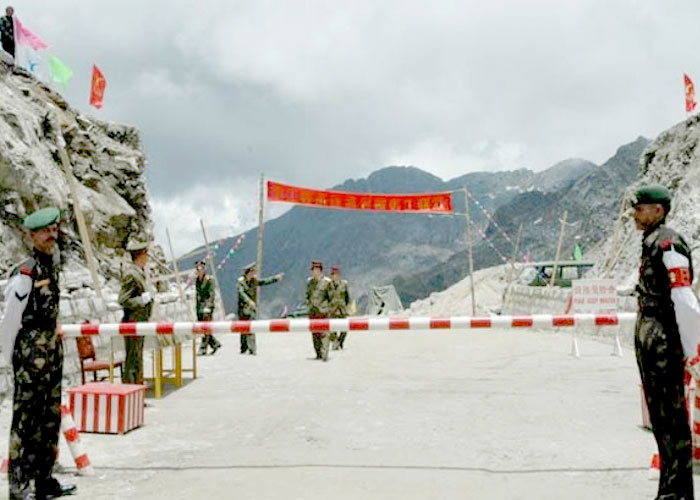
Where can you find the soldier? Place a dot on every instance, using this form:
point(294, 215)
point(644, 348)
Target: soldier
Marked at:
point(666, 337)
point(247, 286)
point(31, 344)
point(318, 301)
point(138, 304)
point(340, 300)
point(205, 306)
point(7, 31)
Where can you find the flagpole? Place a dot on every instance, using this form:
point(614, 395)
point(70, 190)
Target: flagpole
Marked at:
point(210, 258)
point(470, 247)
point(82, 227)
point(261, 230)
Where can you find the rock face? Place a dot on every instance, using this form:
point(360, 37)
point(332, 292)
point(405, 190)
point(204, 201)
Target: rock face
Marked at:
point(107, 161)
point(672, 159)
point(591, 201)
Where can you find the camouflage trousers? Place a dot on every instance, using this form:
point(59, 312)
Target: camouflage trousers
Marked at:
point(133, 362)
point(248, 343)
point(322, 343)
point(37, 363)
point(660, 361)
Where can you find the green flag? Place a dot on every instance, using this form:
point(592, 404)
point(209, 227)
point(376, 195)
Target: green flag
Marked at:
point(60, 73)
point(578, 254)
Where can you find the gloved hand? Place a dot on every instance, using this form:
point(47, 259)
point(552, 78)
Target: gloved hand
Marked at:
point(280, 276)
point(692, 366)
point(146, 298)
point(206, 310)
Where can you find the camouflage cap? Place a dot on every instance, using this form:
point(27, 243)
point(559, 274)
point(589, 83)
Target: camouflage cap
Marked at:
point(41, 218)
point(652, 193)
point(317, 263)
point(249, 266)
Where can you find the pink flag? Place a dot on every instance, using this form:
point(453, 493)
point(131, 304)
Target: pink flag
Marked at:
point(25, 37)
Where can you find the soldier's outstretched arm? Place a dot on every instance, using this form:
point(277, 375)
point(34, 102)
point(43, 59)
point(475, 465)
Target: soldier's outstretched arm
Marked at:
point(685, 303)
point(17, 293)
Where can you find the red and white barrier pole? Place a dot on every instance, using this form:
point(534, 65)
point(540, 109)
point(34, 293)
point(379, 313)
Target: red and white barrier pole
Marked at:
point(70, 432)
point(348, 324)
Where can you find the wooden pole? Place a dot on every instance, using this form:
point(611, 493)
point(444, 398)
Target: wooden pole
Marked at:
point(210, 257)
point(470, 248)
point(181, 292)
point(261, 230)
point(513, 272)
point(82, 227)
point(553, 280)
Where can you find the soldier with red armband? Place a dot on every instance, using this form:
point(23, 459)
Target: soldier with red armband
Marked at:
point(666, 337)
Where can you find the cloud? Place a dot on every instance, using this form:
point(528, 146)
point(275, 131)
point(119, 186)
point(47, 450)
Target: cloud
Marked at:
point(317, 91)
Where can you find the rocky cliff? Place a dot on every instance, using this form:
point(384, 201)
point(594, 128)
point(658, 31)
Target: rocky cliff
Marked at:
point(107, 160)
point(672, 159)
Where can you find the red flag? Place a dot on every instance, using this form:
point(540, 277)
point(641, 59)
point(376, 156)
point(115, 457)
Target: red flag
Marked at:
point(689, 94)
point(97, 90)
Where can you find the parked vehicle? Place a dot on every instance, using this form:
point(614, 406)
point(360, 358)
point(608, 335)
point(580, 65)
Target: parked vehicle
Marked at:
point(540, 273)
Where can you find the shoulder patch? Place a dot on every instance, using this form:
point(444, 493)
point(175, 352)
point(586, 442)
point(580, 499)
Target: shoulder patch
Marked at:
point(28, 271)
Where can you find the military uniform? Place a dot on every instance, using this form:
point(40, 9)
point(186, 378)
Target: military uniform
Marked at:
point(339, 302)
point(137, 305)
point(205, 311)
point(247, 304)
point(318, 301)
point(666, 334)
point(31, 343)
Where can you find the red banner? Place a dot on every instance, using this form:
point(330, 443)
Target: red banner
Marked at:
point(429, 203)
point(689, 94)
point(97, 90)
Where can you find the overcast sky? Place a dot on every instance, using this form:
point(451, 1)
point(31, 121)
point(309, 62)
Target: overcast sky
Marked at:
point(313, 92)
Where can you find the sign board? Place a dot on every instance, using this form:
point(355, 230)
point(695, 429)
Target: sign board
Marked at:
point(593, 296)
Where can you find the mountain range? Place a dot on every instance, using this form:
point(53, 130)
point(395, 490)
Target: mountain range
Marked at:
point(420, 254)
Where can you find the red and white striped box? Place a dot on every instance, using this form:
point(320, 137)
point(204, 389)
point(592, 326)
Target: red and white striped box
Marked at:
point(107, 408)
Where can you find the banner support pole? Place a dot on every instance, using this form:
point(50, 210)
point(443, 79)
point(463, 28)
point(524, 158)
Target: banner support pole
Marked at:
point(469, 247)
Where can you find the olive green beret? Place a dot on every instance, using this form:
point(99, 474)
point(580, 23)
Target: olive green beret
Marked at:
point(652, 193)
point(41, 218)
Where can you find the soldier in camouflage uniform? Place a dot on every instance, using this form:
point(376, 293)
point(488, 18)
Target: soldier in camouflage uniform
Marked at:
point(138, 305)
point(340, 300)
point(30, 342)
point(205, 306)
point(318, 301)
point(666, 337)
point(247, 286)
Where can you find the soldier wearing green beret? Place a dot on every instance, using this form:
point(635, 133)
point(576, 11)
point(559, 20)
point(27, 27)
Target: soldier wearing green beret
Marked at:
point(31, 344)
point(666, 336)
point(138, 305)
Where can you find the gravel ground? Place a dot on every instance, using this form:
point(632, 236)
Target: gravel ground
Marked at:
point(441, 415)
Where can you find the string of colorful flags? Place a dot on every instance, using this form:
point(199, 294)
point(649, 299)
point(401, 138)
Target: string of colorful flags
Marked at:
point(490, 218)
point(215, 246)
point(59, 72)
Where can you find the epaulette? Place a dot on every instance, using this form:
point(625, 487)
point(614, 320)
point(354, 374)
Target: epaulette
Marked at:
point(665, 244)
